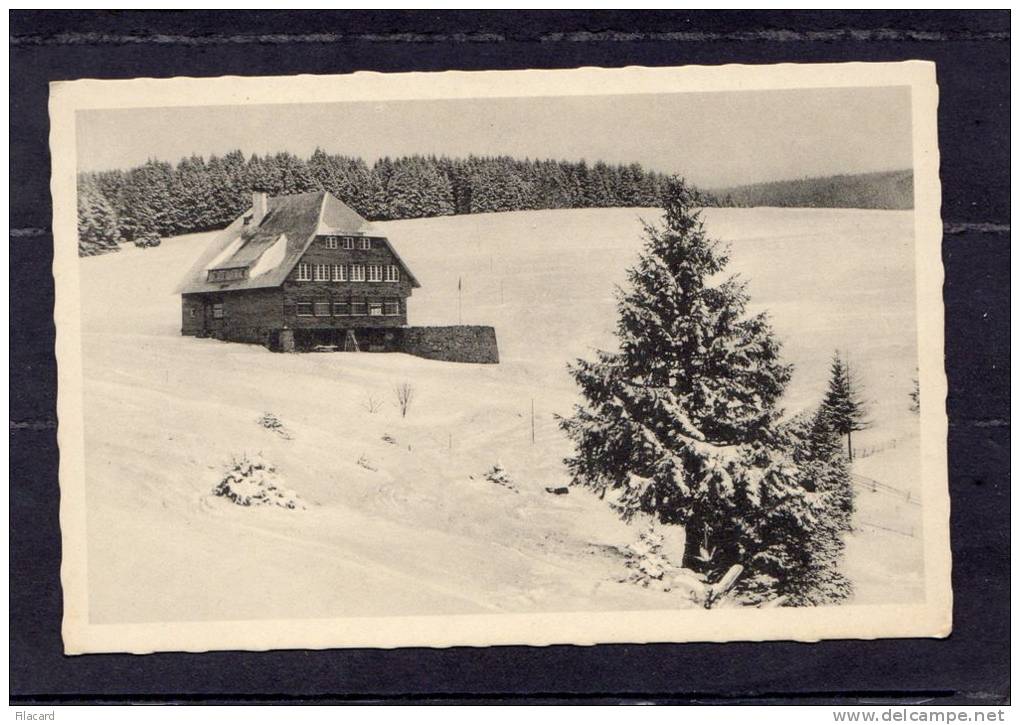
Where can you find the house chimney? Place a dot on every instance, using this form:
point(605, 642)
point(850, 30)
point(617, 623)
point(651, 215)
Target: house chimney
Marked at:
point(259, 207)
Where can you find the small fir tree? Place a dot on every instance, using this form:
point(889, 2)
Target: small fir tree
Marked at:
point(828, 469)
point(825, 474)
point(646, 560)
point(845, 409)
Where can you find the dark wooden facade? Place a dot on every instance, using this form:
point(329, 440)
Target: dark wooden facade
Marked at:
point(237, 315)
point(296, 272)
point(338, 306)
point(319, 312)
point(351, 293)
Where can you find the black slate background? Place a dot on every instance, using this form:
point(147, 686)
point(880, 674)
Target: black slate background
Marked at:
point(971, 50)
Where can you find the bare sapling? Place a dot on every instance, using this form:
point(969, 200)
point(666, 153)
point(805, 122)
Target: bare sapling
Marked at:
point(405, 394)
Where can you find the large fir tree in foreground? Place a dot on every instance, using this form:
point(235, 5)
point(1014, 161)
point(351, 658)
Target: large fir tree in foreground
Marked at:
point(682, 422)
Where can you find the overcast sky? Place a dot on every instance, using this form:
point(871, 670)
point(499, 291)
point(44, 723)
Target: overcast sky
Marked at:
point(714, 139)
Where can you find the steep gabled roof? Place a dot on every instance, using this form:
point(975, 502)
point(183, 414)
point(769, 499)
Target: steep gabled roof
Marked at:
point(292, 221)
point(338, 218)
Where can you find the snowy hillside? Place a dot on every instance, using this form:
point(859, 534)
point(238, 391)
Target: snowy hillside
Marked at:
point(399, 518)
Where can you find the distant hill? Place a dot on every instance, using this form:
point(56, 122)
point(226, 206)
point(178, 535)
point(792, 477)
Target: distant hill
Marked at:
point(880, 190)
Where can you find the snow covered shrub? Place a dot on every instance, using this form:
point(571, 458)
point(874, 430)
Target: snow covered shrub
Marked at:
point(271, 422)
point(649, 565)
point(147, 239)
point(250, 480)
point(498, 475)
point(646, 561)
point(682, 423)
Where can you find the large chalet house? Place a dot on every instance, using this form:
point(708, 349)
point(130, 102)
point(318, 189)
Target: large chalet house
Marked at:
point(298, 272)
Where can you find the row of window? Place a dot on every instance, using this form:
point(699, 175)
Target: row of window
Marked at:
point(226, 275)
point(325, 308)
point(347, 272)
point(348, 242)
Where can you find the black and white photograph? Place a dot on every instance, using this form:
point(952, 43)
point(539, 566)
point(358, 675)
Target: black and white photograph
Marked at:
point(523, 357)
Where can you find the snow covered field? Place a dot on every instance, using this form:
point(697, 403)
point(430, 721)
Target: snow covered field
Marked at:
point(399, 518)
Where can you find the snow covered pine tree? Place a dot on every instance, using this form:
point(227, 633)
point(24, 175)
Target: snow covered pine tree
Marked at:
point(824, 472)
point(97, 221)
point(682, 424)
point(844, 408)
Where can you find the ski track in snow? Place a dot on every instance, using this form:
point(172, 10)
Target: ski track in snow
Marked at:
point(419, 535)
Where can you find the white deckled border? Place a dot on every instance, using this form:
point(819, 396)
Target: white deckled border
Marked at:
point(929, 619)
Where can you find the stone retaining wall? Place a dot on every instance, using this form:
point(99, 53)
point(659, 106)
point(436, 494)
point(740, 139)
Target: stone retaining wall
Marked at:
point(455, 343)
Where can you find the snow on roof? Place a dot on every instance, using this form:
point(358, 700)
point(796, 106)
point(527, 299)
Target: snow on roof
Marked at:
point(295, 218)
point(271, 258)
point(335, 217)
point(229, 251)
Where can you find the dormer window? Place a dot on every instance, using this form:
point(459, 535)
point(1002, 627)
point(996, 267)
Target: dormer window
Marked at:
point(227, 275)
